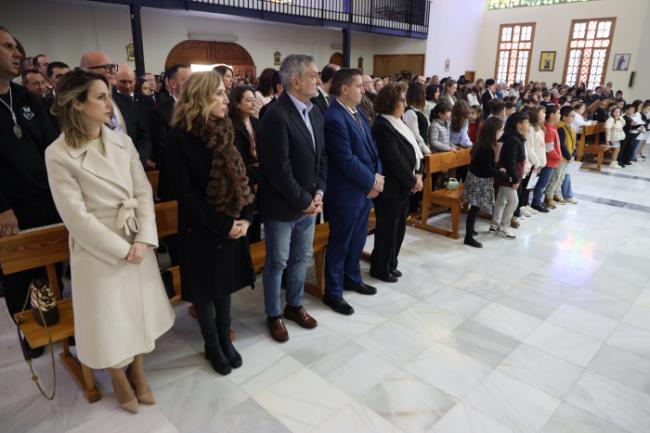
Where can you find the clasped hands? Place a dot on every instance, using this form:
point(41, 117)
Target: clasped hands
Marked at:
point(419, 186)
point(239, 229)
point(377, 187)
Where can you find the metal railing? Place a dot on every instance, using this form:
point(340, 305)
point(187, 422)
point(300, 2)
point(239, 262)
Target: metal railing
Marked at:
point(407, 16)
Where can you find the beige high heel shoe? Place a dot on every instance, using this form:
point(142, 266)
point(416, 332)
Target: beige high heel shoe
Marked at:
point(144, 398)
point(131, 405)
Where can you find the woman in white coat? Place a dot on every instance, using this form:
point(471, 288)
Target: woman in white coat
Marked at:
point(105, 200)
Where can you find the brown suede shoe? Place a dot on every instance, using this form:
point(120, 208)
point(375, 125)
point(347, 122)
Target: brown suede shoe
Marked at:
point(550, 203)
point(514, 223)
point(300, 316)
point(277, 329)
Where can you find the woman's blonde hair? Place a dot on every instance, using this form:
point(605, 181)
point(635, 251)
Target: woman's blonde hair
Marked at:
point(74, 87)
point(196, 99)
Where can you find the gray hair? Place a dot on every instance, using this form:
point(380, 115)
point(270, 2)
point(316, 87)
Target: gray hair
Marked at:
point(294, 65)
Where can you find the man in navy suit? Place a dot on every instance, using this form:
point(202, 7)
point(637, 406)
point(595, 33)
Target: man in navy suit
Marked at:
point(354, 178)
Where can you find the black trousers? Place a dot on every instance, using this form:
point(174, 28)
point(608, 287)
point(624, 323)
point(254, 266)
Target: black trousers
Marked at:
point(523, 193)
point(389, 234)
point(470, 222)
point(214, 318)
point(627, 149)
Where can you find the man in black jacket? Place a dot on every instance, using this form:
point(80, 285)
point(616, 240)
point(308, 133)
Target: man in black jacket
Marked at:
point(488, 95)
point(292, 185)
point(160, 122)
point(322, 99)
point(26, 130)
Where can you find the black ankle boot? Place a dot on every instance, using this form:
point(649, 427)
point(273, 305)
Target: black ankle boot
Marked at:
point(228, 349)
point(215, 355)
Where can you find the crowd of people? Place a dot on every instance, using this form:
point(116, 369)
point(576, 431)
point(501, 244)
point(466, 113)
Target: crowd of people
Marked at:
point(265, 162)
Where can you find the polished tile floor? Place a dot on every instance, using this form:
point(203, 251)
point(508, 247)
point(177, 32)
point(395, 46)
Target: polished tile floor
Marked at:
point(547, 333)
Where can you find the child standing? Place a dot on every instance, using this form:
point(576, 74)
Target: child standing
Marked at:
point(553, 157)
point(513, 159)
point(479, 186)
point(475, 122)
point(439, 128)
point(615, 134)
point(567, 136)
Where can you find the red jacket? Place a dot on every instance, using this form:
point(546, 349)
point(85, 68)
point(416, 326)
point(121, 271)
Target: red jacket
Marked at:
point(552, 140)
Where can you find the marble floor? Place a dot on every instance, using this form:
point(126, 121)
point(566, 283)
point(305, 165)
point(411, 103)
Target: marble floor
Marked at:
point(547, 333)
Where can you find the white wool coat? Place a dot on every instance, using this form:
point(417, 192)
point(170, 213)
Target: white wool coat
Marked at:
point(106, 203)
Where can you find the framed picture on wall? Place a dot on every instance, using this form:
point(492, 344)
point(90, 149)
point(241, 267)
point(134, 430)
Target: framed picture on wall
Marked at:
point(621, 62)
point(547, 61)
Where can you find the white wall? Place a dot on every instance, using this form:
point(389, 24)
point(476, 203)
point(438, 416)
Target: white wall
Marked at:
point(641, 89)
point(454, 32)
point(65, 28)
point(552, 32)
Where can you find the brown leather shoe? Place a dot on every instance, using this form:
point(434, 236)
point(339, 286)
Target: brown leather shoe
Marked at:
point(300, 316)
point(514, 223)
point(277, 329)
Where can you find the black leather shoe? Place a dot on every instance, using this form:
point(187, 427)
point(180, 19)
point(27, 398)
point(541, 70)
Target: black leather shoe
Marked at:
point(339, 305)
point(473, 243)
point(364, 289)
point(541, 207)
point(387, 278)
point(396, 273)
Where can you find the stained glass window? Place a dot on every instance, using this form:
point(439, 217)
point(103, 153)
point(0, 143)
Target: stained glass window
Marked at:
point(513, 55)
point(588, 51)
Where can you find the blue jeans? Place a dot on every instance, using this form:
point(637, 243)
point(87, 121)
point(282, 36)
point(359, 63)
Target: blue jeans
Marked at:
point(634, 149)
point(567, 192)
point(288, 246)
point(544, 178)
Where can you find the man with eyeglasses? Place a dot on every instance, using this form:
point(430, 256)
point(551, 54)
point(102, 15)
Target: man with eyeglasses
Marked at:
point(125, 116)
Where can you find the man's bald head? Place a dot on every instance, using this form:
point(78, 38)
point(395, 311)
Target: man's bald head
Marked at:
point(368, 87)
point(98, 62)
point(125, 77)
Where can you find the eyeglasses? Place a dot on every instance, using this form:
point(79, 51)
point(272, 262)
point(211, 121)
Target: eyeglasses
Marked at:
point(110, 68)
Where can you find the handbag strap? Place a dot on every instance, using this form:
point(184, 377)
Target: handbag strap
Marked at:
point(28, 359)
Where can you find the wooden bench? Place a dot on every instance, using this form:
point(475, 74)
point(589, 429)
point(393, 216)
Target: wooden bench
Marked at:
point(595, 147)
point(47, 246)
point(451, 199)
point(154, 179)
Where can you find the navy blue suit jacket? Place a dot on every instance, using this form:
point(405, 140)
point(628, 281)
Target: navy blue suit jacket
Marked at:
point(352, 158)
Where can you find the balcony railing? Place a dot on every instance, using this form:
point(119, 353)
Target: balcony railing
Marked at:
point(405, 17)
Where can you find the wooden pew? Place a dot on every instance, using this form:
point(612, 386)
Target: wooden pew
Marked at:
point(452, 199)
point(594, 148)
point(154, 178)
point(47, 246)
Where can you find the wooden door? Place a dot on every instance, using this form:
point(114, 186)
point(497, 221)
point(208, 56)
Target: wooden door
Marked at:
point(209, 53)
point(396, 64)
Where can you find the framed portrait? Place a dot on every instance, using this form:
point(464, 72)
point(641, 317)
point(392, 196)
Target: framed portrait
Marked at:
point(621, 62)
point(547, 61)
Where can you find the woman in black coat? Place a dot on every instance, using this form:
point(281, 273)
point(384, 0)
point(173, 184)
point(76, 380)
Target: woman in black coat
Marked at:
point(240, 110)
point(402, 167)
point(215, 208)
